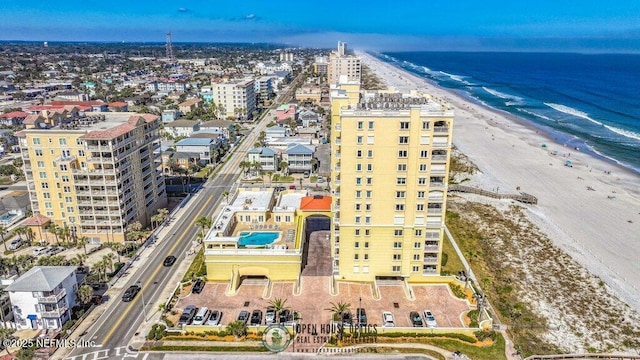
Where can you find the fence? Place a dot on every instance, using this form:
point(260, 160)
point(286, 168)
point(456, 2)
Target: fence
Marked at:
point(522, 197)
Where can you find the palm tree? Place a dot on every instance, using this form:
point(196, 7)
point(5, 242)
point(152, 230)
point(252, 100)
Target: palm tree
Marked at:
point(225, 195)
point(244, 166)
point(109, 260)
point(314, 164)
point(199, 237)
point(155, 220)
point(85, 293)
point(237, 328)
point(338, 309)
point(163, 213)
point(64, 233)
point(100, 267)
point(82, 241)
point(270, 174)
point(6, 333)
point(53, 229)
point(204, 222)
point(117, 247)
point(3, 231)
point(278, 304)
point(81, 258)
point(20, 230)
point(283, 166)
point(3, 292)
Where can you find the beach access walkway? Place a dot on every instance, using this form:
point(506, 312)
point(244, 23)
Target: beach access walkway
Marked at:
point(522, 197)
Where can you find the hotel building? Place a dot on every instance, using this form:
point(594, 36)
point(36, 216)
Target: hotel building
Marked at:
point(341, 63)
point(389, 169)
point(93, 175)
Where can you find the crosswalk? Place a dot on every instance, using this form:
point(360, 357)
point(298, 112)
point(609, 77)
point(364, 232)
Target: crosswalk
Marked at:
point(115, 353)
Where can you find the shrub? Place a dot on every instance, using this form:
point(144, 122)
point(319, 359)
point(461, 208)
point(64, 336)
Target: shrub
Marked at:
point(473, 318)
point(485, 334)
point(461, 337)
point(445, 258)
point(457, 290)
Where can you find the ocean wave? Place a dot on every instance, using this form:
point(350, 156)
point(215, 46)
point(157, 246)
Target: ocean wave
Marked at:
point(623, 132)
point(501, 95)
point(571, 111)
point(621, 163)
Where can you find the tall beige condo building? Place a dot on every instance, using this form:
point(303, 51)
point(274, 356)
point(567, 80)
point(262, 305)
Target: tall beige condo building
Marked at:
point(92, 174)
point(389, 163)
point(342, 63)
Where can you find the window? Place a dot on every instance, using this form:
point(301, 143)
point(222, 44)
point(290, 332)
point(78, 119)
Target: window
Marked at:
point(369, 194)
point(356, 257)
point(63, 167)
point(49, 213)
point(420, 195)
point(62, 141)
point(369, 153)
point(36, 141)
point(400, 194)
point(357, 207)
point(42, 174)
point(370, 139)
point(425, 125)
point(422, 167)
point(80, 152)
point(399, 207)
point(395, 268)
point(357, 232)
point(366, 257)
point(416, 257)
point(401, 181)
point(48, 205)
point(417, 232)
point(360, 125)
point(358, 193)
point(397, 257)
point(397, 232)
point(65, 178)
point(422, 181)
point(367, 219)
point(403, 153)
point(366, 244)
point(356, 244)
point(357, 219)
point(424, 140)
point(397, 244)
point(40, 164)
point(358, 181)
point(359, 139)
point(369, 167)
point(67, 199)
point(402, 167)
point(70, 209)
point(417, 245)
point(359, 153)
point(369, 180)
point(365, 269)
point(404, 125)
point(66, 189)
point(416, 269)
point(367, 207)
point(356, 269)
point(367, 232)
point(358, 167)
point(403, 140)
point(424, 154)
point(45, 185)
point(370, 125)
point(46, 195)
point(38, 152)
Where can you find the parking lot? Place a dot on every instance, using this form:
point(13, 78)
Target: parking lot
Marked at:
point(315, 298)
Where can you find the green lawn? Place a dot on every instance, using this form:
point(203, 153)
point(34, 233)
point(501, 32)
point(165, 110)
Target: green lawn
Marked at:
point(453, 260)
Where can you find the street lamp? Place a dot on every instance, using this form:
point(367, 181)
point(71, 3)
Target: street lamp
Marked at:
point(144, 311)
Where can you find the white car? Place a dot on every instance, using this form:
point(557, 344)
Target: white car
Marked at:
point(387, 319)
point(14, 244)
point(430, 319)
point(40, 251)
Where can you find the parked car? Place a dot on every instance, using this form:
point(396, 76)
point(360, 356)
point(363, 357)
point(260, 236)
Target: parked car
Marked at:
point(202, 316)
point(188, 314)
point(169, 260)
point(243, 316)
point(40, 251)
point(387, 319)
point(430, 319)
point(270, 315)
point(292, 187)
point(215, 317)
point(198, 286)
point(416, 320)
point(52, 250)
point(256, 317)
point(361, 314)
point(130, 293)
point(15, 244)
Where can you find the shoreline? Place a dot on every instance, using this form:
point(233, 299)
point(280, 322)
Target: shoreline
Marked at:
point(590, 210)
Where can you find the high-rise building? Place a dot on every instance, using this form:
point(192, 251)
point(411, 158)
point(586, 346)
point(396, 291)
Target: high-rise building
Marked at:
point(93, 175)
point(342, 63)
point(389, 167)
point(235, 98)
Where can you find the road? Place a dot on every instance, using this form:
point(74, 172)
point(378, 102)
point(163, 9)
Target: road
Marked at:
point(120, 321)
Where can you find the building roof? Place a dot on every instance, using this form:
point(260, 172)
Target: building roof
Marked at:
point(36, 220)
point(195, 142)
point(41, 278)
point(299, 149)
point(186, 155)
point(315, 202)
point(265, 151)
point(80, 103)
point(181, 123)
point(205, 135)
point(217, 123)
point(118, 104)
point(119, 130)
point(14, 114)
point(190, 102)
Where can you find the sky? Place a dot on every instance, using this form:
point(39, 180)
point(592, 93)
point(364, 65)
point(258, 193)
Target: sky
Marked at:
point(379, 25)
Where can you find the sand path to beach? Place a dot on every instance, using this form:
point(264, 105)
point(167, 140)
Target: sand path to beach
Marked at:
point(590, 210)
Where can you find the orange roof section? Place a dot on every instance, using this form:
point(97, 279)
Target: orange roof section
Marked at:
point(36, 220)
point(316, 202)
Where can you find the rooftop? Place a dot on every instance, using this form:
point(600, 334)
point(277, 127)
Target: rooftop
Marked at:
point(41, 278)
point(195, 142)
point(315, 202)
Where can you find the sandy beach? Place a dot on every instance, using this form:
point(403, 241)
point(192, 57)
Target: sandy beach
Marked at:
point(590, 210)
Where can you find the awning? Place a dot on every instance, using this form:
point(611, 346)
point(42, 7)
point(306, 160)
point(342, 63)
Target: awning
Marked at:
point(32, 317)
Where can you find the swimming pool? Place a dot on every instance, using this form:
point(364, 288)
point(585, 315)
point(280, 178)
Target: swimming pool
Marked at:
point(257, 238)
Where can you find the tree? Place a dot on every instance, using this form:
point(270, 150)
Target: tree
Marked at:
point(53, 229)
point(81, 258)
point(85, 294)
point(278, 305)
point(338, 309)
point(6, 333)
point(108, 259)
point(3, 292)
point(82, 241)
point(225, 195)
point(163, 213)
point(117, 247)
point(283, 166)
point(3, 231)
point(237, 328)
point(204, 222)
point(100, 268)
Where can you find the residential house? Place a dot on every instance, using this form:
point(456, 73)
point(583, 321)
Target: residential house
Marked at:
point(71, 95)
point(222, 127)
point(286, 111)
point(276, 131)
point(182, 128)
point(299, 158)
point(309, 93)
point(309, 118)
point(95, 105)
point(118, 106)
point(184, 160)
point(14, 118)
point(189, 105)
point(202, 146)
point(267, 158)
point(42, 298)
point(170, 115)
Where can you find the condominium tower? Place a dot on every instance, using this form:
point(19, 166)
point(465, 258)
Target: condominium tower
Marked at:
point(235, 98)
point(342, 63)
point(93, 174)
point(389, 164)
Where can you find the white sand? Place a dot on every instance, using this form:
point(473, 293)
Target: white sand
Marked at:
point(602, 234)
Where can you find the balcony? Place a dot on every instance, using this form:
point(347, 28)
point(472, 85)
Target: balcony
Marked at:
point(430, 259)
point(436, 184)
point(436, 211)
point(52, 299)
point(429, 271)
point(438, 158)
point(337, 155)
point(338, 141)
point(441, 145)
point(434, 224)
point(57, 313)
point(441, 129)
point(64, 159)
point(430, 248)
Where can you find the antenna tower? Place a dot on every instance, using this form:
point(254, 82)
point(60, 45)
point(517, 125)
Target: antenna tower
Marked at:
point(169, 47)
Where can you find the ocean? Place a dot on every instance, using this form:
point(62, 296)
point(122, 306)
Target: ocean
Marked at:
point(587, 101)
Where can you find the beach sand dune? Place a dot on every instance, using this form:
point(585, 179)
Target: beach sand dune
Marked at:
point(591, 210)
